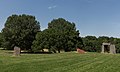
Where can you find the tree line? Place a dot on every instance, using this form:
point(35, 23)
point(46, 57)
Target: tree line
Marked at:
point(24, 31)
point(93, 44)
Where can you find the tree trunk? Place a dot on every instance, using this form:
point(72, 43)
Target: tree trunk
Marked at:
point(58, 51)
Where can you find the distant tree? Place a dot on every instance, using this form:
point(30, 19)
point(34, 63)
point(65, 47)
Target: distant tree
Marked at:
point(117, 44)
point(91, 44)
point(112, 40)
point(20, 30)
point(104, 39)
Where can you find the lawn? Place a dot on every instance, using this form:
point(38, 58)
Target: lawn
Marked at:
point(63, 62)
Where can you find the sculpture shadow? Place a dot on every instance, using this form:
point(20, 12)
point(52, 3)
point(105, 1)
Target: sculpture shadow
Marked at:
point(36, 52)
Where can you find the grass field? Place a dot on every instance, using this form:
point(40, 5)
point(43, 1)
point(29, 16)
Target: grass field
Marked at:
point(64, 62)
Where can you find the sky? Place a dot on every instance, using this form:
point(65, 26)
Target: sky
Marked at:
point(92, 17)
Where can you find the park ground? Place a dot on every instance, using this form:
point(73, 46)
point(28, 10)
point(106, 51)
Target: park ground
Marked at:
point(63, 62)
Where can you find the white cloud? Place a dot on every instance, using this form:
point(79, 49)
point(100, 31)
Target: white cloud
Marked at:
point(52, 7)
point(43, 28)
point(89, 1)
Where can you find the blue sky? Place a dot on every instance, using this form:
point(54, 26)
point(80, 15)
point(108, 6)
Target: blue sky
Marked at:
point(92, 17)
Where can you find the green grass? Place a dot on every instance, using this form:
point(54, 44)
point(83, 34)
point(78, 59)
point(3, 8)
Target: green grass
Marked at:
point(64, 62)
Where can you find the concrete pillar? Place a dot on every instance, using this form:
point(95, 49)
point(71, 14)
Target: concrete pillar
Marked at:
point(102, 49)
point(112, 49)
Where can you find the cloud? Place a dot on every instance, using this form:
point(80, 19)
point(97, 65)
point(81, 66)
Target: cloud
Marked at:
point(89, 1)
point(52, 7)
point(43, 28)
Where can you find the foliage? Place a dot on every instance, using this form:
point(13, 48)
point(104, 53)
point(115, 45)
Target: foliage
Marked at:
point(20, 30)
point(44, 39)
point(1, 40)
point(67, 35)
point(117, 44)
point(60, 35)
point(93, 44)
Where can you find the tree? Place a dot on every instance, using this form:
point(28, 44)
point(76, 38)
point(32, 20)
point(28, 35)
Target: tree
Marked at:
point(91, 44)
point(20, 30)
point(1, 40)
point(66, 34)
point(103, 39)
point(117, 44)
point(60, 35)
point(44, 39)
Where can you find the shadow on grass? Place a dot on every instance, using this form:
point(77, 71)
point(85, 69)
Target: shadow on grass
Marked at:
point(36, 52)
point(25, 52)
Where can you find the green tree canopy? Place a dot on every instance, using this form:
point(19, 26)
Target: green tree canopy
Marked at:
point(91, 44)
point(20, 30)
point(60, 35)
